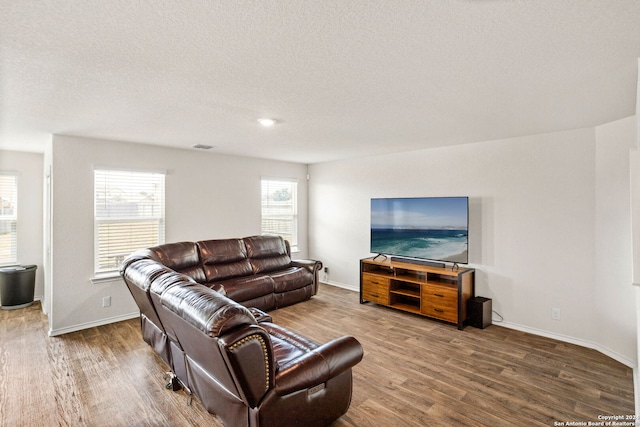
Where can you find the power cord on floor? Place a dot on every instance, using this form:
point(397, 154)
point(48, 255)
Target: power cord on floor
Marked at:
point(499, 315)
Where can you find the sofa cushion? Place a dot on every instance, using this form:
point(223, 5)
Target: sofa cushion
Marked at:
point(291, 278)
point(287, 345)
point(245, 288)
point(283, 299)
point(267, 253)
point(263, 302)
point(224, 259)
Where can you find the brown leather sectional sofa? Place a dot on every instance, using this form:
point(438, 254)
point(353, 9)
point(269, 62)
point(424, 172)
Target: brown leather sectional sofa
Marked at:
point(201, 310)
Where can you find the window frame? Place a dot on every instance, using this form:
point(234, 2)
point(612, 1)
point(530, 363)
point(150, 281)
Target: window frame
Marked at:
point(12, 219)
point(154, 177)
point(294, 222)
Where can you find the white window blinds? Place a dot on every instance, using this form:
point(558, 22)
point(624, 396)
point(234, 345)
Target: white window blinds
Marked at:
point(129, 215)
point(8, 218)
point(280, 209)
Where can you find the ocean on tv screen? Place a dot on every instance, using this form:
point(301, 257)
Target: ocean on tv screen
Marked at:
point(436, 244)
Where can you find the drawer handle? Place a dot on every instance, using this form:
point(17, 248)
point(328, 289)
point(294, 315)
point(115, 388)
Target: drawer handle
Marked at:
point(375, 295)
point(438, 310)
point(438, 295)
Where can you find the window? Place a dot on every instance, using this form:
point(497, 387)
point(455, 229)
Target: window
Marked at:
point(129, 215)
point(280, 209)
point(8, 218)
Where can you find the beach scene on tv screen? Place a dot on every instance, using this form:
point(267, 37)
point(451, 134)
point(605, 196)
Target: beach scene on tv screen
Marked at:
point(430, 228)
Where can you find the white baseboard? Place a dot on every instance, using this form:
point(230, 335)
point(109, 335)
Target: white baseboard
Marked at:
point(564, 338)
point(341, 285)
point(571, 340)
point(101, 322)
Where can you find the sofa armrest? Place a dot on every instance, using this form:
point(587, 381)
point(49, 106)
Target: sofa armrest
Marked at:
point(319, 365)
point(312, 265)
point(250, 357)
point(260, 315)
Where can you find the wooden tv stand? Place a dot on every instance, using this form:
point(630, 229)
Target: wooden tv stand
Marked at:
point(440, 293)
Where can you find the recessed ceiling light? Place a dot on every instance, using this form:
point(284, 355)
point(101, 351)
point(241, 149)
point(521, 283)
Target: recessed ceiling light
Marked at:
point(203, 146)
point(266, 122)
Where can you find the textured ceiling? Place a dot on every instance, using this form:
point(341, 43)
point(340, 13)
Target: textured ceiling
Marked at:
point(343, 78)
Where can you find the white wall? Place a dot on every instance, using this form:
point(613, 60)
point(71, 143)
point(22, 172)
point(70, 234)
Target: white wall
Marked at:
point(30, 183)
point(634, 165)
point(532, 226)
point(207, 196)
point(614, 296)
point(635, 227)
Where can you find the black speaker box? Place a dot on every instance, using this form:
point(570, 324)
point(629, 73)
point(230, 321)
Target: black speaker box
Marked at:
point(480, 312)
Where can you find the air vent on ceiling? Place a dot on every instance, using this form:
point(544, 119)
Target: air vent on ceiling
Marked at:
point(203, 146)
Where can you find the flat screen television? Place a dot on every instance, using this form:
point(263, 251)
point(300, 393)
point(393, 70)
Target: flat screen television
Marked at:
point(430, 228)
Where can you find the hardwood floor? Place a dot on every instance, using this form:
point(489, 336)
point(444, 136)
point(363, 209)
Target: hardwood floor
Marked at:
point(415, 372)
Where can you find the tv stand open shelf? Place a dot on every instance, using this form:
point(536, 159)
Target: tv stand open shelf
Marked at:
point(440, 293)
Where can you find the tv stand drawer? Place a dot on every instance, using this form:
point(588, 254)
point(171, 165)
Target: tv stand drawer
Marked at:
point(440, 302)
point(375, 288)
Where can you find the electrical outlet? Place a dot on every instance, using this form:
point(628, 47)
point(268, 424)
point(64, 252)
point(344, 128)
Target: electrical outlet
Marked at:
point(555, 313)
point(106, 301)
point(326, 269)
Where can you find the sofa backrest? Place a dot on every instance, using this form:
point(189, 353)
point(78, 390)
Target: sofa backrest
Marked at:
point(205, 309)
point(267, 253)
point(202, 323)
point(182, 257)
point(224, 259)
point(163, 281)
point(138, 275)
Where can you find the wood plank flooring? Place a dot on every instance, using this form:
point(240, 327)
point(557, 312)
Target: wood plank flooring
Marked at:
point(415, 372)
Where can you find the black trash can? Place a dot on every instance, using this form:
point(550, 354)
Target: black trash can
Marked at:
point(17, 285)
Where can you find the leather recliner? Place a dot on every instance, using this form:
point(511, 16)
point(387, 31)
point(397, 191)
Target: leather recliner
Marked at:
point(255, 271)
point(247, 371)
point(250, 373)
